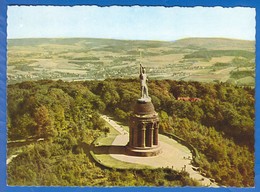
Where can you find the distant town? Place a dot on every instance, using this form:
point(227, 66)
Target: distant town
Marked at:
point(194, 59)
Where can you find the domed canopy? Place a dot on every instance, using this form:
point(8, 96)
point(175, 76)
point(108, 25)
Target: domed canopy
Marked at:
point(144, 108)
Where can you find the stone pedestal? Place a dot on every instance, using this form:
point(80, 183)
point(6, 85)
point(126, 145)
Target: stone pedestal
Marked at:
point(143, 130)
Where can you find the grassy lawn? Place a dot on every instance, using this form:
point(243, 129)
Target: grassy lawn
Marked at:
point(105, 140)
point(111, 129)
point(111, 162)
point(124, 126)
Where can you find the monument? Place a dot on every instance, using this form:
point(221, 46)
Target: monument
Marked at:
point(144, 124)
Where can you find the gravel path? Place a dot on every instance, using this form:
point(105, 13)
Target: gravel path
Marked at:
point(174, 155)
point(10, 159)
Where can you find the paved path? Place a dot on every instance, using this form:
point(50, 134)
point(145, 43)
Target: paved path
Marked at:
point(20, 143)
point(174, 155)
point(10, 159)
point(115, 125)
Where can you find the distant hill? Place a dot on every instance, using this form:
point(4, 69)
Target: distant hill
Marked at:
point(217, 43)
point(208, 43)
point(196, 59)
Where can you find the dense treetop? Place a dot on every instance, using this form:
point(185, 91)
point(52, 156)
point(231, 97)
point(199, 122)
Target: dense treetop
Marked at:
point(67, 114)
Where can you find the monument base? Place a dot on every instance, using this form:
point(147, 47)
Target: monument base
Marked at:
point(143, 151)
point(144, 100)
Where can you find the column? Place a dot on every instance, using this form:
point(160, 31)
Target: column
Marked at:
point(155, 134)
point(131, 142)
point(147, 135)
point(135, 136)
point(131, 133)
point(151, 136)
point(142, 135)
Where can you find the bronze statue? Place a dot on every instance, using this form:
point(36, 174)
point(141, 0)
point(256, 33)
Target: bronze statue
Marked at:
point(144, 87)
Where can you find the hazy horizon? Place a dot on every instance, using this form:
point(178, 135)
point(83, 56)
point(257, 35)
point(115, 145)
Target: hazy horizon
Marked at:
point(130, 23)
point(130, 39)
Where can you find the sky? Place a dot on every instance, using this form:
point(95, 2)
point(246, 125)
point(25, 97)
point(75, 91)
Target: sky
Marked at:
point(131, 23)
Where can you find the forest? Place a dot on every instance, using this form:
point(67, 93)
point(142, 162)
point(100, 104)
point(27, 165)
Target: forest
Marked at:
point(67, 116)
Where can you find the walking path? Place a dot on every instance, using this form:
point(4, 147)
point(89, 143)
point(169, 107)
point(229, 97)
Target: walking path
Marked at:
point(11, 158)
point(174, 155)
point(20, 143)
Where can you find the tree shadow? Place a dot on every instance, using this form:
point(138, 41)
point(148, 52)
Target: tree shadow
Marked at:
point(109, 149)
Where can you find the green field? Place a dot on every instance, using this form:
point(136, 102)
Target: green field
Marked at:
point(199, 59)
